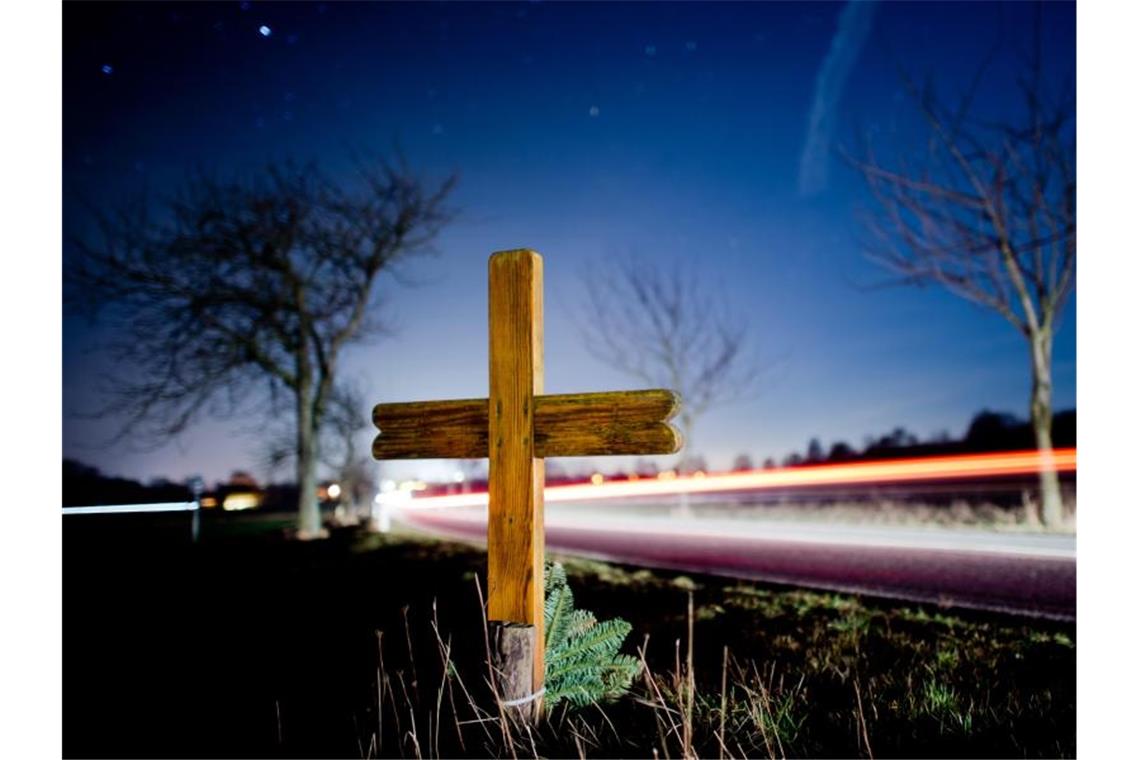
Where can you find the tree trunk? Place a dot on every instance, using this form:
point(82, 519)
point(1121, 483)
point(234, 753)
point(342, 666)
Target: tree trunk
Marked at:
point(308, 509)
point(1041, 416)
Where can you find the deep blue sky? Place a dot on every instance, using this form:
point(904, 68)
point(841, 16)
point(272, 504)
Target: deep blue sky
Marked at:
point(671, 131)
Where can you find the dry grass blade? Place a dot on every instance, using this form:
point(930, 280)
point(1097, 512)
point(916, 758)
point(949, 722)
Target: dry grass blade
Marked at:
point(659, 705)
point(578, 744)
point(609, 722)
point(481, 716)
point(379, 737)
point(756, 711)
point(411, 656)
point(690, 686)
point(411, 734)
point(530, 735)
point(386, 690)
point(492, 680)
point(448, 675)
point(768, 716)
point(862, 721)
point(723, 703)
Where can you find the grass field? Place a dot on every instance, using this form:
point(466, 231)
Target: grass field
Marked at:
point(248, 645)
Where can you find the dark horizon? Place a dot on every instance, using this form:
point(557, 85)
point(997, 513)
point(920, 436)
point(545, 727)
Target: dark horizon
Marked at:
point(987, 431)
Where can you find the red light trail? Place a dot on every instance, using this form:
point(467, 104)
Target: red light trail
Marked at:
point(1011, 572)
point(954, 467)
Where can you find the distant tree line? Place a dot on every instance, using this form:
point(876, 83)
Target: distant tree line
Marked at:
point(86, 486)
point(988, 431)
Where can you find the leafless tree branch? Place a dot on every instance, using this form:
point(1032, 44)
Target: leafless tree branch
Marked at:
point(232, 291)
point(661, 325)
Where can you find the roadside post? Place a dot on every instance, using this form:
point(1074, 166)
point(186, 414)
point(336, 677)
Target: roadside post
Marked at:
point(517, 428)
point(197, 485)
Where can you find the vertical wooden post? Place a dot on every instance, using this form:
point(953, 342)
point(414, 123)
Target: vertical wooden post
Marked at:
point(515, 539)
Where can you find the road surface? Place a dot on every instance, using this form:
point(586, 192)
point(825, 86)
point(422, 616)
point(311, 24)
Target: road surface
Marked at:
point(1019, 573)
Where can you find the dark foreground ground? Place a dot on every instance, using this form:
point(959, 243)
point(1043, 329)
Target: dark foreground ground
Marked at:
point(245, 644)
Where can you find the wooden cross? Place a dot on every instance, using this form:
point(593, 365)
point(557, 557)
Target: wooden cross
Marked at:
point(517, 428)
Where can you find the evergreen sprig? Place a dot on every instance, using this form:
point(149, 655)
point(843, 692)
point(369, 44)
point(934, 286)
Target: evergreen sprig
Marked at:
point(583, 664)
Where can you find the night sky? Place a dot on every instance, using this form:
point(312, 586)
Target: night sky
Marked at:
point(675, 131)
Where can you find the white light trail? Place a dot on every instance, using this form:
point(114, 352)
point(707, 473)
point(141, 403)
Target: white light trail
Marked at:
point(114, 509)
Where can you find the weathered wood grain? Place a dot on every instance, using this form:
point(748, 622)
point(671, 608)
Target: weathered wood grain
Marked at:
point(565, 425)
point(515, 539)
point(513, 648)
point(617, 422)
point(431, 430)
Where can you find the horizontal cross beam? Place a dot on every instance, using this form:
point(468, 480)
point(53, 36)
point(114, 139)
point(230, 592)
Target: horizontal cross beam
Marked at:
point(566, 425)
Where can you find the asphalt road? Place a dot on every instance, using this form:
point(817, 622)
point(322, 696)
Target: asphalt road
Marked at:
point(1018, 573)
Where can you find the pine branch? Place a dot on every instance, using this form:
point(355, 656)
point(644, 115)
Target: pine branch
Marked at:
point(583, 665)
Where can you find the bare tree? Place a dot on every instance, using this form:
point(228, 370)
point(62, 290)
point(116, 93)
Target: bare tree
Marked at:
point(354, 466)
point(663, 327)
point(341, 454)
point(239, 296)
point(742, 463)
point(987, 210)
point(814, 451)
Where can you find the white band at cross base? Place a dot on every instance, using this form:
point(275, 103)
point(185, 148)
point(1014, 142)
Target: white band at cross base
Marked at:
point(524, 700)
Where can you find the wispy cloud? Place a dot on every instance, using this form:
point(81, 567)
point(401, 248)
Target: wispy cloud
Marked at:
point(854, 26)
